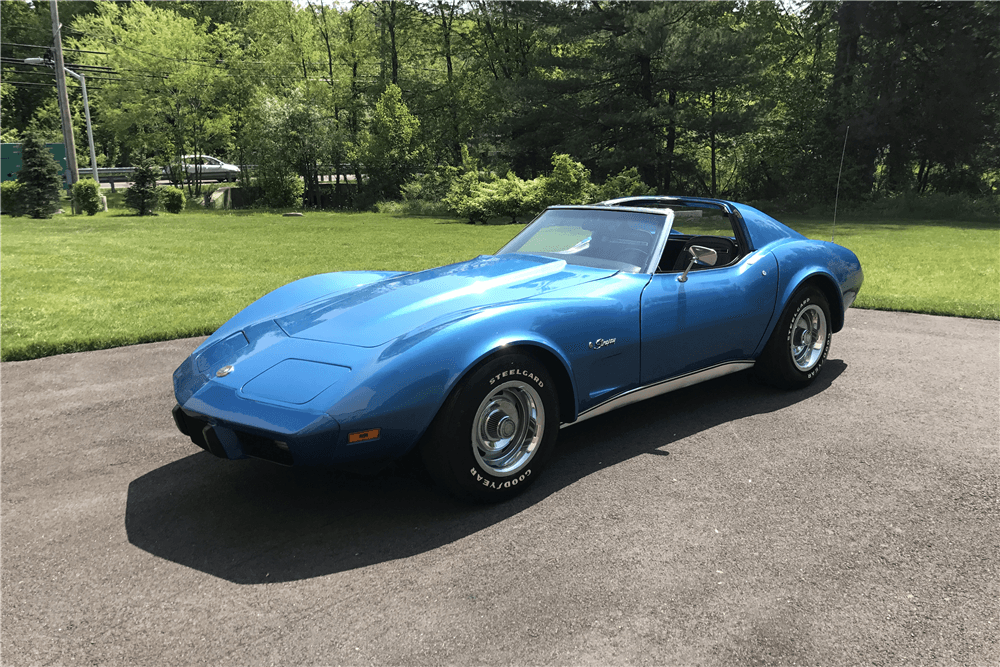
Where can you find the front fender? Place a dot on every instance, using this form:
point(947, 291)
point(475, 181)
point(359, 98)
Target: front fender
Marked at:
point(413, 375)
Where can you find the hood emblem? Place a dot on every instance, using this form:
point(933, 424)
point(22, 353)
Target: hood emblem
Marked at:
point(224, 371)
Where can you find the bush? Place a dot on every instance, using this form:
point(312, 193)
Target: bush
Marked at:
point(467, 198)
point(10, 199)
point(39, 178)
point(514, 198)
point(284, 192)
point(87, 195)
point(432, 186)
point(144, 196)
point(173, 199)
point(569, 183)
point(626, 183)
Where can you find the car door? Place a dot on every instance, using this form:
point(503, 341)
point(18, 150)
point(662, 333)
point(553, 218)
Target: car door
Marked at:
point(718, 315)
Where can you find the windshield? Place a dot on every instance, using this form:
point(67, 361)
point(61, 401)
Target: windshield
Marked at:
point(613, 239)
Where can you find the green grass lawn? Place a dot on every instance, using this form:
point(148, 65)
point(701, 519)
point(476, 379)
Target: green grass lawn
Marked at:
point(78, 283)
point(923, 267)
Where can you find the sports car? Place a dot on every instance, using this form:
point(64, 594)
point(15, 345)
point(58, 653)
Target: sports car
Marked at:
point(473, 368)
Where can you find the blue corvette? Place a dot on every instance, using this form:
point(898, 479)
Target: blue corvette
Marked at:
point(476, 365)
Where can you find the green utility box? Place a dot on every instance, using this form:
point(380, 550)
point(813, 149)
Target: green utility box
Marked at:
point(10, 161)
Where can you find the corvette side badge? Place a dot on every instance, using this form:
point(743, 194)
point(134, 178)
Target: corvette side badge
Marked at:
point(224, 371)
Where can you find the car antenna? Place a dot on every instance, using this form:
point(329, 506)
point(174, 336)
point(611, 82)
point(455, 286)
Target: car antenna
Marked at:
point(836, 198)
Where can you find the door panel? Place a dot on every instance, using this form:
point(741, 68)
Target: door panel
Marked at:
point(718, 315)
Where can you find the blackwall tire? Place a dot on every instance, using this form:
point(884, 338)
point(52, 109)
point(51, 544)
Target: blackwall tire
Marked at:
point(495, 432)
point(800, 343)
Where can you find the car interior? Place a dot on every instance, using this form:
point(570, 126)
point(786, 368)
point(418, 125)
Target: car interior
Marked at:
point(696, 223)
point(675, 256)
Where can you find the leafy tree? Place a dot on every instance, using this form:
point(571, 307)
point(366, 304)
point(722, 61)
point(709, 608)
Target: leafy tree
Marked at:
point(181, 109)
point(39, 178)
point(143, 196)
point(391, 144)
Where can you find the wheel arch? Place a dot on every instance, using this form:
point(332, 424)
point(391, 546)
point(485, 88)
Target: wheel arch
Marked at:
point(828, 287)
point(814, 277)
point(548, 357)
point(565, 393)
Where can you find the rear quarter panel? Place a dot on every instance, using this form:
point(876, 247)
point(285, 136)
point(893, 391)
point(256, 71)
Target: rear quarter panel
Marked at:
point(834, 269)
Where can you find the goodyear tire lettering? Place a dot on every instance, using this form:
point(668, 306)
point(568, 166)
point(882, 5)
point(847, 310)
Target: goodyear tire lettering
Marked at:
point(504, 485)
point(516, 372)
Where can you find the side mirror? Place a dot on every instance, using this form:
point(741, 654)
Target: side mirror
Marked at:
point(701, 256)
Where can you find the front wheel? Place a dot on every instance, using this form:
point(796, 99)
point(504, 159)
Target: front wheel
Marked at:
point(495, 431)
point(800, 343)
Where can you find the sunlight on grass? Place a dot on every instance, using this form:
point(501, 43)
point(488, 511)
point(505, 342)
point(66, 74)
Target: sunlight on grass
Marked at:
point(76, 283)
point(923, 267)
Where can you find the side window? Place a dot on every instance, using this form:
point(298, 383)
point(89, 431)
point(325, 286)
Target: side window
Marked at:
point(708, 227)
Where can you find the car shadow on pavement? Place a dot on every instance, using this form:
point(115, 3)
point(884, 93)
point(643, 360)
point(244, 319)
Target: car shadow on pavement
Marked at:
point(253, 522)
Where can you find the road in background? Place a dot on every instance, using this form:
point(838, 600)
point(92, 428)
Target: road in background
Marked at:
point(854, 522)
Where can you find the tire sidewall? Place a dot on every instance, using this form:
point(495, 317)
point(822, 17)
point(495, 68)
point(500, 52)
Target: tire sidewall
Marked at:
point(801, 302)
point(453, 432)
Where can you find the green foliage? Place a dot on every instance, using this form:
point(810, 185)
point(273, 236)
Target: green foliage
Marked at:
point(10, 200)
point(735, 99)
point(479, 196)
point(173, 199)
point(40, 180)
point(569, 183)
point(276, 190)
point(390, 148)
point(87, 195)
point(431, 186)
point(182, 106)
point(143, 196)
point(627, 183)
point(292, 138)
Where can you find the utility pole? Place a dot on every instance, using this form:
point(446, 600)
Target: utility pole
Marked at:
point(67, 122)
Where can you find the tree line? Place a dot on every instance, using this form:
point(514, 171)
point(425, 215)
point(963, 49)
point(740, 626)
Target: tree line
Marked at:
point(744, 100)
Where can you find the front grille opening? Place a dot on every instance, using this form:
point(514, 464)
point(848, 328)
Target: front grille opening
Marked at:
point(260, 447)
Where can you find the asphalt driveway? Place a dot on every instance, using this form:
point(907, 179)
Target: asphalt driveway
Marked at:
point(729, 523)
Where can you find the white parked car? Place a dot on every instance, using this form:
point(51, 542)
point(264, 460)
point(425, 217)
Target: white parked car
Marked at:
point(209, 168)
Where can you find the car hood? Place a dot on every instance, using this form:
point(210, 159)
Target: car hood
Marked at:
point(374, 314)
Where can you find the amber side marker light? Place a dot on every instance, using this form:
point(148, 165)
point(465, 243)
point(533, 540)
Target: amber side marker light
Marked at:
point(362, 436)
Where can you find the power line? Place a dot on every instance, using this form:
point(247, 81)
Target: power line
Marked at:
point(65, 48)
point(29, 83)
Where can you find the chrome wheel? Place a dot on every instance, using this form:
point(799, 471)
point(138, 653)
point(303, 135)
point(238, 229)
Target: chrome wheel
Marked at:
point(808, 337)
point(508, 428)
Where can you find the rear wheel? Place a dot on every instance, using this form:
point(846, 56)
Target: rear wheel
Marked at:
point(495, 431)
point(800, 343)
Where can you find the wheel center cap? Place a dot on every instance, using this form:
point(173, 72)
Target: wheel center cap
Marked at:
point(506, 428)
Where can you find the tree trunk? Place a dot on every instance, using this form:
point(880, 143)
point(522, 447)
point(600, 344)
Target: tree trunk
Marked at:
point(712, 142)
point(671, 143)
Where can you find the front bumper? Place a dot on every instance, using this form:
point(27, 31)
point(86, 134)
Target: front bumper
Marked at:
point(241, 443)
point(285, 436)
